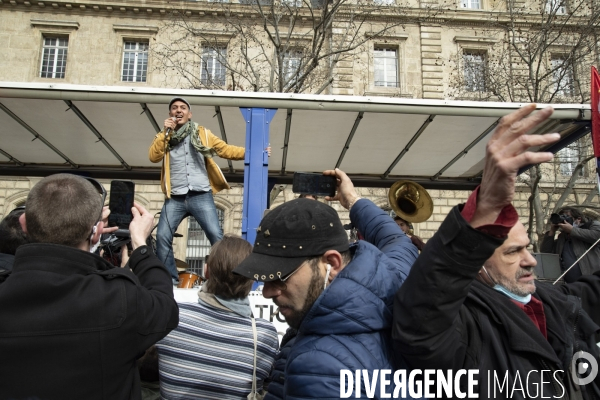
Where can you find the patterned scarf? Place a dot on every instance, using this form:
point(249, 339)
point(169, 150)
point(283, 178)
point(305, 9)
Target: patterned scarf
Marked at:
point(191, 129)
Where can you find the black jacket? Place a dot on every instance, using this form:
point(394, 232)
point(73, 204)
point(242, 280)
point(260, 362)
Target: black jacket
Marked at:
point(444, 319)
point(6, 264)
point(582, 238)
point(73, 326)
point(6, 261)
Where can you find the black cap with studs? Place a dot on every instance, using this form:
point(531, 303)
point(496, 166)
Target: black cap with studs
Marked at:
point(290, 234)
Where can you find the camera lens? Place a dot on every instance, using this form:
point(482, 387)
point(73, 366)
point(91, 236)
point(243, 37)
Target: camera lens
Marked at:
point(556, 219)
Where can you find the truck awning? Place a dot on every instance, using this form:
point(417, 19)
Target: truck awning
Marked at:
point(105, 132)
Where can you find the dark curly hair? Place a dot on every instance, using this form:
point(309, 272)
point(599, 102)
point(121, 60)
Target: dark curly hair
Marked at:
point(575, 213)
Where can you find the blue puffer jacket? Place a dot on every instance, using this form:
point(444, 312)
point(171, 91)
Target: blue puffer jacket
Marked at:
point(349, 325)
point(277, 378)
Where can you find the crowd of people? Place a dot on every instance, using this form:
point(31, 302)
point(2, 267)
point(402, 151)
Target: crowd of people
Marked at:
point(77, 327)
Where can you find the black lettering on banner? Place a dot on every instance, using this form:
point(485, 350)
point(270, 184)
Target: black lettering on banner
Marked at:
point(279, 317)
point(261, 307)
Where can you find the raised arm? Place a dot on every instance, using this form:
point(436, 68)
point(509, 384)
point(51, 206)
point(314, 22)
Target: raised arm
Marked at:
point(157, 312)
point(430, 323)
point(373, 223)
point(224, 150)
point(157, 149)
point(589, 235)
point(429, 327)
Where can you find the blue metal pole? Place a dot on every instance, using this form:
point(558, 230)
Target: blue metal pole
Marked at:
point(256, 166)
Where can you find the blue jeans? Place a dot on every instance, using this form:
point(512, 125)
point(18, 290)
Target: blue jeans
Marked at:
point(201, 206)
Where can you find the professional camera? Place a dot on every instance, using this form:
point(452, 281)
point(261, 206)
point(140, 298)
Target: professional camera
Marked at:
point(560, 218)
point(112, 244)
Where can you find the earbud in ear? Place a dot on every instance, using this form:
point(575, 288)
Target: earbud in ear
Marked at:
point(327, 276)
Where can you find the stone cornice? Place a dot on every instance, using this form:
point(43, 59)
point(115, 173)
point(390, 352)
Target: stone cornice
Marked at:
point(158, 9)
point(214, 33)
point(55, 24)
point(476, 40)
point(388, 35)
point(296, 36)
point(136, 28)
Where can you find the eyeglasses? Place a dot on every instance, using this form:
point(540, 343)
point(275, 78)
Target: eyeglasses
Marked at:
point(101, 191)
point(280, 284)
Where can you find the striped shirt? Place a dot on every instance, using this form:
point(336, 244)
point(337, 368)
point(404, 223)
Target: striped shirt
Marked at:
point(210, 355)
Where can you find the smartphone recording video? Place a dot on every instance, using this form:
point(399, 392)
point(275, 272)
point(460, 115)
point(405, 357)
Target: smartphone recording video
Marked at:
point(314, 183)
point(120, 203)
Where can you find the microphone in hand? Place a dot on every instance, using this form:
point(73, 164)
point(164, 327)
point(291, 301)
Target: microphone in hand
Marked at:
point(169, 130)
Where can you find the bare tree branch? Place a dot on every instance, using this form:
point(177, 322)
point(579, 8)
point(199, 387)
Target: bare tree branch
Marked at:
point(272, 45)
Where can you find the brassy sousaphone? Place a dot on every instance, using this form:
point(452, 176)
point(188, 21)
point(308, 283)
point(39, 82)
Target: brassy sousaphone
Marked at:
point(410, 201)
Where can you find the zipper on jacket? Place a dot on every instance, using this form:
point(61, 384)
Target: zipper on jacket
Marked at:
point(575, 343)
point(553, 381)
point(575, 346)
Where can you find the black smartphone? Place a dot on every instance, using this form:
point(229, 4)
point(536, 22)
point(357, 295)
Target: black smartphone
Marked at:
point(120, 203)
point(314, 183)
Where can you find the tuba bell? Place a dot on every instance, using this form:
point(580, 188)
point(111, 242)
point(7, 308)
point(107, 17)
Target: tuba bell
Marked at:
point(410, 201)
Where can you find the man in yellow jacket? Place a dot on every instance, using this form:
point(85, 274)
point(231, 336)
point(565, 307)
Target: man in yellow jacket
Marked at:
point(189, 177)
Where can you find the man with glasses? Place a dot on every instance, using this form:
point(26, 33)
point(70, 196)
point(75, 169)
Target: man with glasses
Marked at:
point(338, 296)
point(74, 325)
point(471, 301)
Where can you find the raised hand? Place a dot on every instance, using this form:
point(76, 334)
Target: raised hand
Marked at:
point(345, 192)
point(140, 226)
point(506, 152)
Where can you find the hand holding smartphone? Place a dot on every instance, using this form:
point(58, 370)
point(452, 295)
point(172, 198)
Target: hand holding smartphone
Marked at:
point(314, 183)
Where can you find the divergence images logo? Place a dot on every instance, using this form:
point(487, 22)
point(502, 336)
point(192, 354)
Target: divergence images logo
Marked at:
point(583, 363)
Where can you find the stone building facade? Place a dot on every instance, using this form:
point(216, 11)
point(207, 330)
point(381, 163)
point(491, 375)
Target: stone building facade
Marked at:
point(14, 190)
point(100, 37)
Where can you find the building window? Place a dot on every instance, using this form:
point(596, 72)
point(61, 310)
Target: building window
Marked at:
point(556, 7)
point(135, 61)
point(474, 67)
point(568, 159)
point(213, 65)
point(471, 4)
point(385, 63)
point(562, 77)
point(198, 245)
point(54, 57)
point(292, 62)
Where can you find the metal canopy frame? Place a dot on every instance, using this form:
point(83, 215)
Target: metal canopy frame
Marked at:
point(439, 144)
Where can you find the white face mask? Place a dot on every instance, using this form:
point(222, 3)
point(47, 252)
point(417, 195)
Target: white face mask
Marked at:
point(576, 224)
point(506, 292)
point(515, 297)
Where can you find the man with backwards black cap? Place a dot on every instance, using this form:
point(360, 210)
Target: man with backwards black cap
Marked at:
point(338, 296)
point(189, 177)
